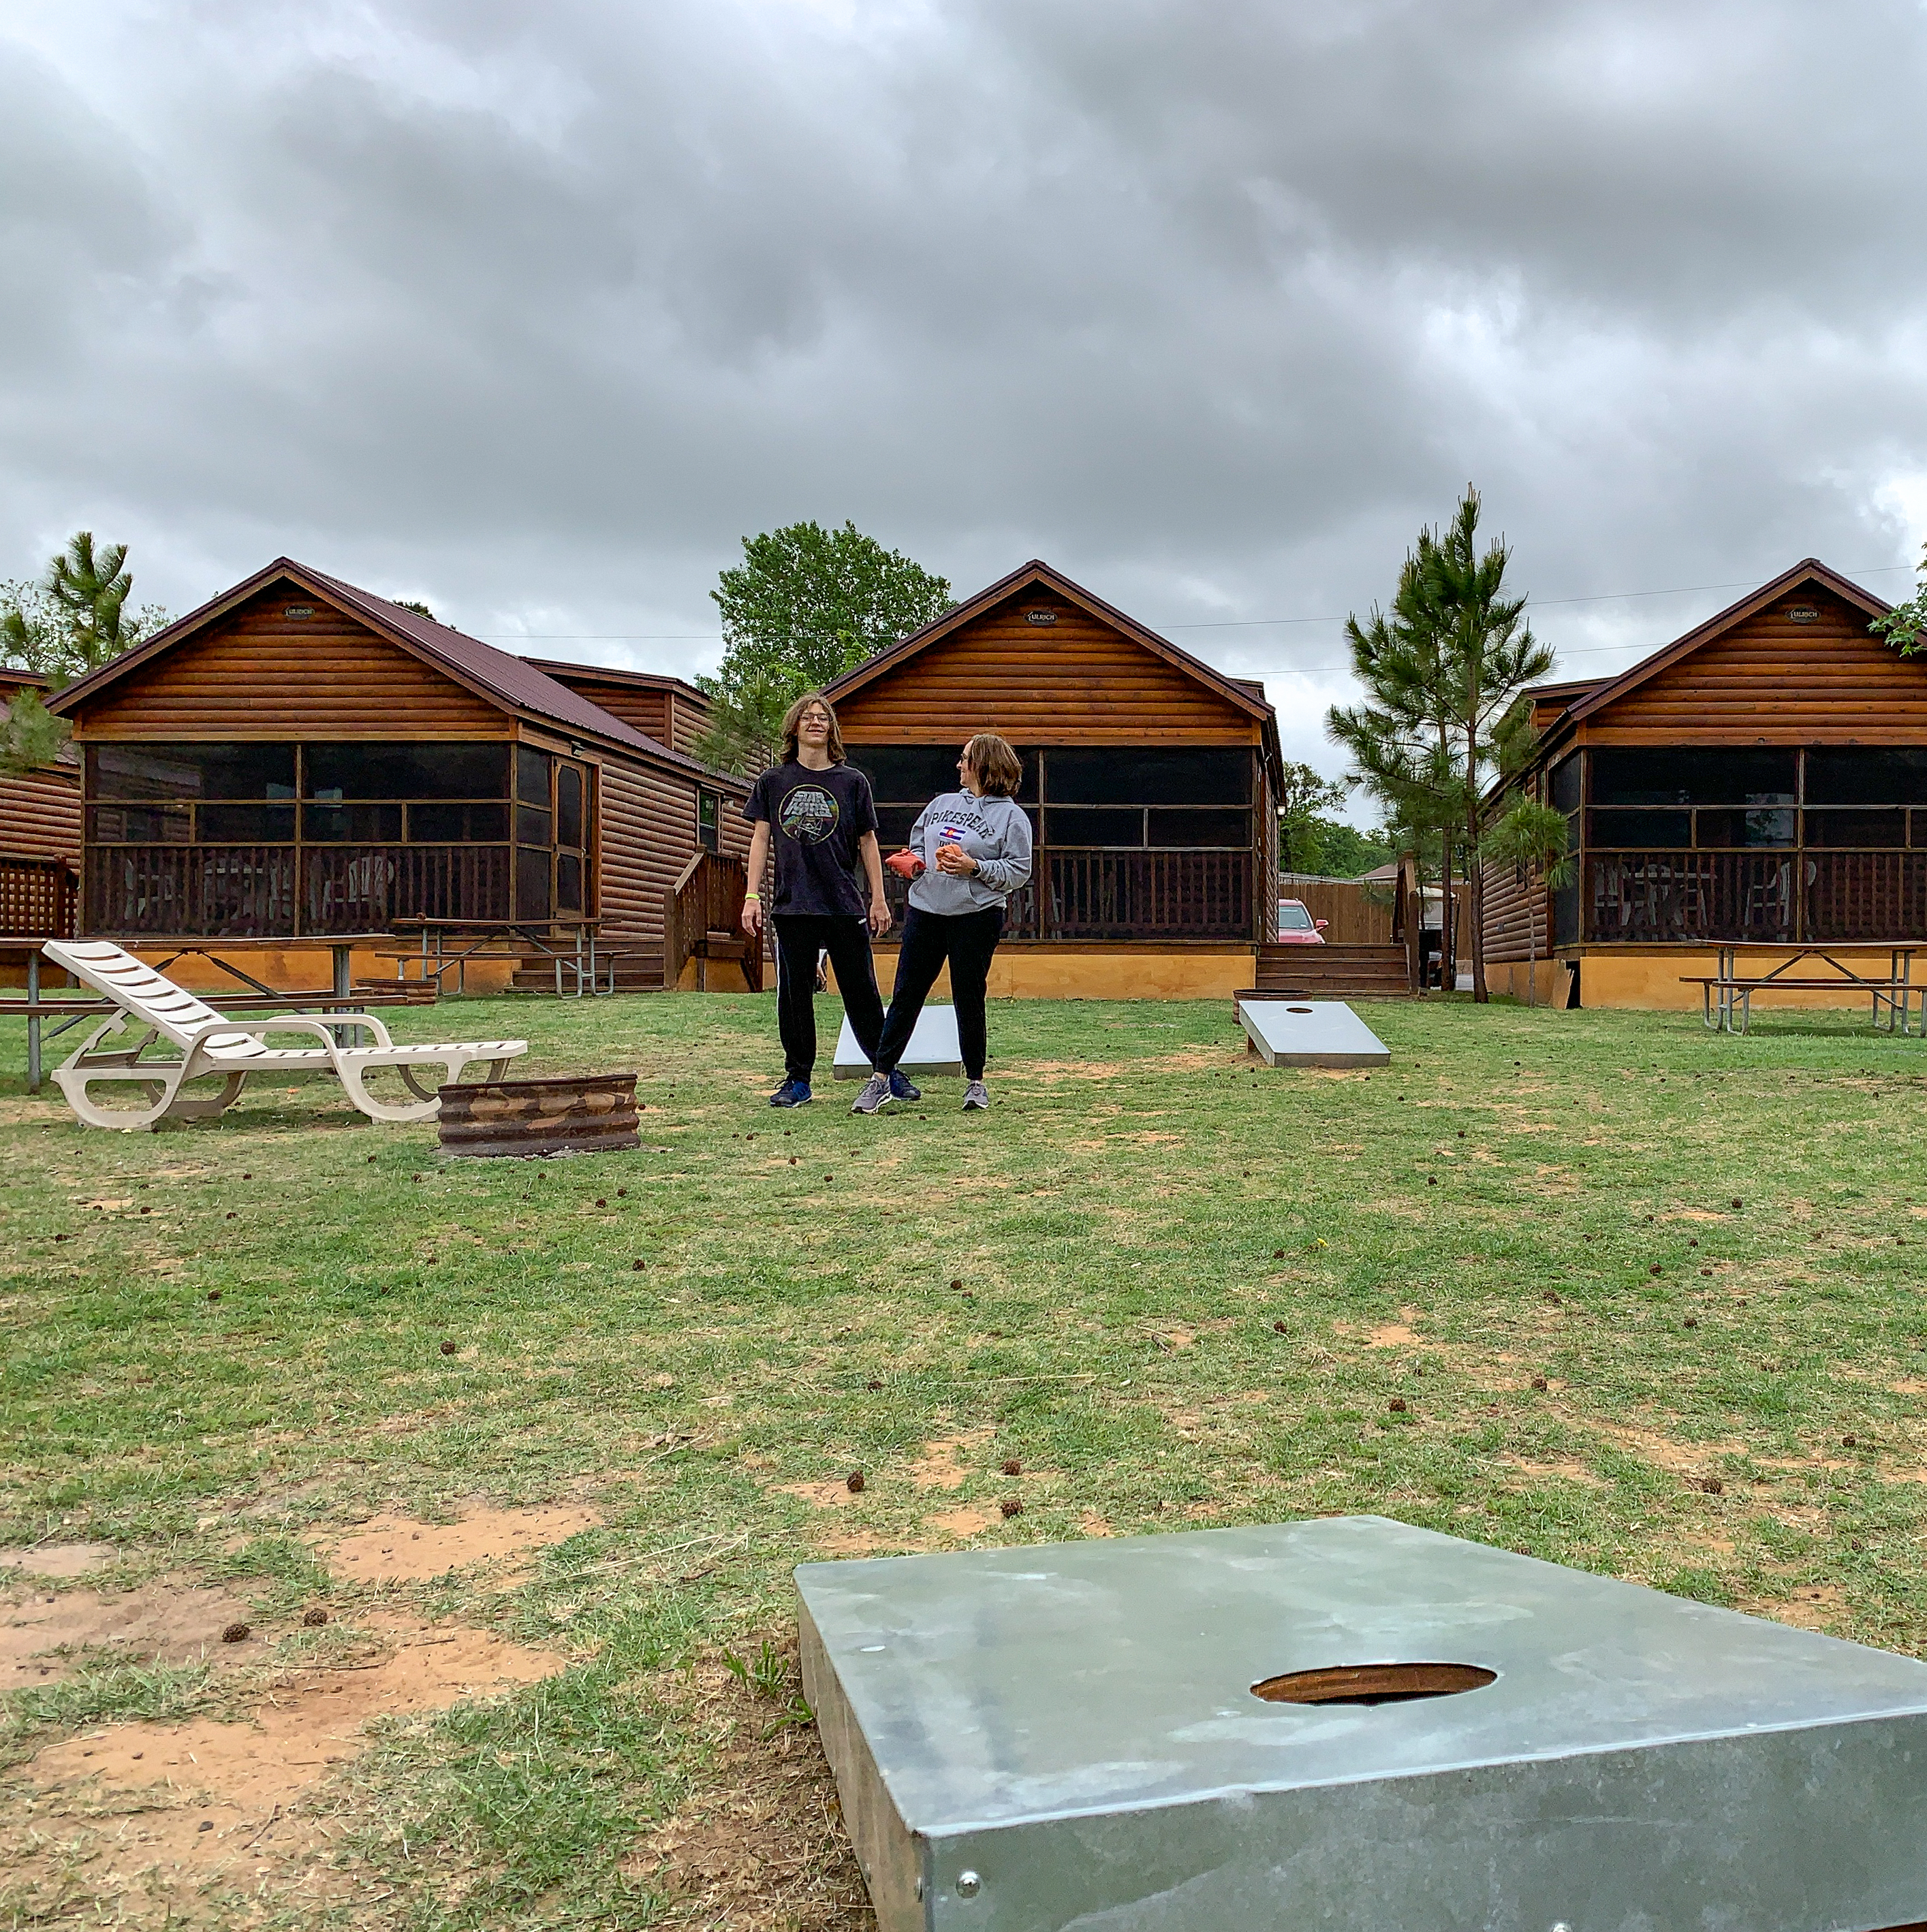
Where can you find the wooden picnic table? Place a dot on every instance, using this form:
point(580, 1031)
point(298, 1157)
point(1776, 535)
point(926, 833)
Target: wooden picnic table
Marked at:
point(1726, 997)
point(569, 943)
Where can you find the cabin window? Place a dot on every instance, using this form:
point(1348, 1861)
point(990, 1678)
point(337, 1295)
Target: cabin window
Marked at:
point(1851, 828)
point(333, 772)
point(1562, 788)
point(708, 821)
point(445, 824)
point(1866, 775)
point(1663, 829)
point(1071, 827)
point(569, 805)
point(378, 824)
point(1668, 776)
point(191, 771)
point(918, 773)
point(532, 775)
point(1727, 830)
point(1133, 775)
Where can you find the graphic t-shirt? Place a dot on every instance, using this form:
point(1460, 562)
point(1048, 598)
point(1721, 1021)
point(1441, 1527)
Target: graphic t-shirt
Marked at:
point(816, 820)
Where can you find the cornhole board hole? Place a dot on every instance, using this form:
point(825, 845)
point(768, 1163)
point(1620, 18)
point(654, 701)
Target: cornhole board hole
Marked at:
point(1310, 1033)
point(932, 1051)
point(1085, 1735)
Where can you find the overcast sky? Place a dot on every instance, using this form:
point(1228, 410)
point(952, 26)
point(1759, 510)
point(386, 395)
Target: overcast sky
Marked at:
point(534, 311)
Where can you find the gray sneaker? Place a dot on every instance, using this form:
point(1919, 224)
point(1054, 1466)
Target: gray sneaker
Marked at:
point(977, 1097)
point(876, 1091)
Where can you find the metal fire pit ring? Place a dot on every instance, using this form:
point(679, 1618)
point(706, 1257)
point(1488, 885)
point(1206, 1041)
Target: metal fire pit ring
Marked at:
point(592, 1113)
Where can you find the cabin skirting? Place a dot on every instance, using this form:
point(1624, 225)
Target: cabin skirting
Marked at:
point(1042, 972)
point(1646, 978)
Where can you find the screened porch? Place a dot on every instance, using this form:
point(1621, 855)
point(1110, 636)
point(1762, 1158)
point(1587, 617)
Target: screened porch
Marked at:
point(296, 841)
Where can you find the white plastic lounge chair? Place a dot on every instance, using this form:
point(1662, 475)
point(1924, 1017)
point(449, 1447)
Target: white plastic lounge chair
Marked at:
point(209, 1045)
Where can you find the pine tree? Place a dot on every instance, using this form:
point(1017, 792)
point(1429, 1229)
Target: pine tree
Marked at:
point(1487, 656)
point(74, 620)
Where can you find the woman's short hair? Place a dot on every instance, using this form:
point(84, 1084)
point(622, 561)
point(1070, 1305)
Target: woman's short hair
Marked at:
point(999, 771)
point(793, 718)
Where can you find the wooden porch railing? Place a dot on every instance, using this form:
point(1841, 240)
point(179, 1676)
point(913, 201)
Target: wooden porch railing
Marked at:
point(1101, 895)
point(39, 898)
point(702, 918)
point(1789, 898)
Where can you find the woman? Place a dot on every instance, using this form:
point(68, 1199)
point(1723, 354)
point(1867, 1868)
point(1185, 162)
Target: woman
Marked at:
point(817, 814)
point(969, 851)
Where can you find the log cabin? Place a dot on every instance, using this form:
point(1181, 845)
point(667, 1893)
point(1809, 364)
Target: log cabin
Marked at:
point(1150, 780)
point(300, 761)
point(1759, 781)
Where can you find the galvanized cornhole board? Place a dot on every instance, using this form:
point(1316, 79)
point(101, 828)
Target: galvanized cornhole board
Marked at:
point(1310, 1033)
point(1068, 1736)
point(933, 1051)
point(590, 1113)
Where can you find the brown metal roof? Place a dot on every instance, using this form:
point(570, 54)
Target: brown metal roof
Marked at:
point(514, 682)
point(640, 680)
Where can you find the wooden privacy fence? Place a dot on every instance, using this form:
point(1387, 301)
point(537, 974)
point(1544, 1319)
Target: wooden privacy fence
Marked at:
point(702, 918)
point(38, 899)
point(1355, 914)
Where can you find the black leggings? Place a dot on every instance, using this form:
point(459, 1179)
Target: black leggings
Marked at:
point(799, 937)
point(965, 941)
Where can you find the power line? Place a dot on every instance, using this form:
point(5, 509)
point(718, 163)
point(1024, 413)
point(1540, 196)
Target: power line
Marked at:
point(1209, 624)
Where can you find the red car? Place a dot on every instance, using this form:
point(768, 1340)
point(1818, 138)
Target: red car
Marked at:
point(1296, 926)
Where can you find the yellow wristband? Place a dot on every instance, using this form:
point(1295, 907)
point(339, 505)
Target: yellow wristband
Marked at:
point(750, 898)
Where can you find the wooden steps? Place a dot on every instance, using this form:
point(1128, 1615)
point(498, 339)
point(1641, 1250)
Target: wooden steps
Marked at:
point(1334, 972)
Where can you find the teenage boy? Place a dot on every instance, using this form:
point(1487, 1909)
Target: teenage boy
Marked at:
point(816, 813)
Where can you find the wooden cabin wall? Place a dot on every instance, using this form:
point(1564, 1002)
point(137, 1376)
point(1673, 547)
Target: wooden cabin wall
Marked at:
point(1511, 905)
point(257, 673)
point(1075, 682)
point(648, 711)
point(647, 834)
point(39, 815)
point(1770, 681)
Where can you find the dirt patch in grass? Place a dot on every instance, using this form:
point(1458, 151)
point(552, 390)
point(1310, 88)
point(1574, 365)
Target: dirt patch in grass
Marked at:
point(133, 1815)
point(832, 1494)
point(1564, 1470)
point(42, 1632)
point(1393, 1334)
point(1807, 1609)
point(397, 1550)
point(962, 1523)
point(759, 1846)
point(937, 1466)
point(1661, 1451)
point(59, 1559)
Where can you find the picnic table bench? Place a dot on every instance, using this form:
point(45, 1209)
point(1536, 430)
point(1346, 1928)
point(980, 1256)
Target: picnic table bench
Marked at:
point(1726, 997)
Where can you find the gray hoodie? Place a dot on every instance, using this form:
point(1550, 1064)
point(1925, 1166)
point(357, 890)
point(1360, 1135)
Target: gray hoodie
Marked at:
point(993, 831)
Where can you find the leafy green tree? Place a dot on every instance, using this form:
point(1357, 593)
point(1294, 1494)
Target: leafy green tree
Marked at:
point(1534, 838)
point(76, 619)
point(1905, 624)
point(1306, 797)
point(805, 604)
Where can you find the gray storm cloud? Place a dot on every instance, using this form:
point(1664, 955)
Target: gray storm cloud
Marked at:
point(535, 312)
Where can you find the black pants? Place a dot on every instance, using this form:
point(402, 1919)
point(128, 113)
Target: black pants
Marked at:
point(965, 941)
point(799, 937)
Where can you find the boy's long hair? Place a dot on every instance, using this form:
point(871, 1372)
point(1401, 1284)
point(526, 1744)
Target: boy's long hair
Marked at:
point(793, 717)
point(999, 771)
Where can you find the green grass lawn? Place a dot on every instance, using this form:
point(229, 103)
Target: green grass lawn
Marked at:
point(1600, 1287)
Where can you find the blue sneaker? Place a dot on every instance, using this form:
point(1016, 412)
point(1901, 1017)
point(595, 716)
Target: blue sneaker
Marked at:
point(901, 1089)
point(792, 1093)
